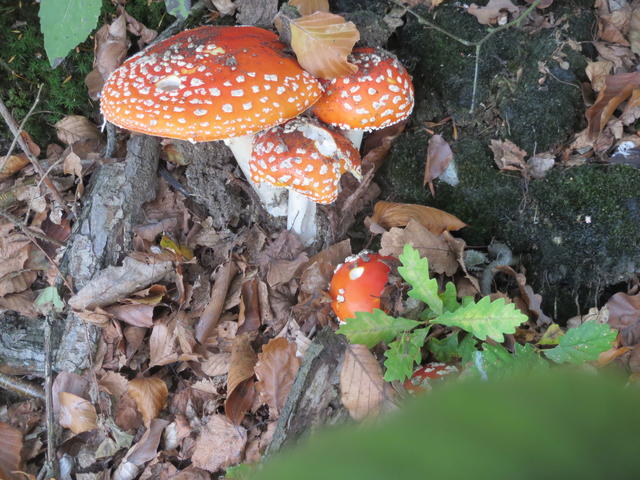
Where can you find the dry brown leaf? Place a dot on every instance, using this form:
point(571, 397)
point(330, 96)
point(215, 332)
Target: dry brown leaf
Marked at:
point(22, 302)
point(377, 144)
point(631, 110)
point(240, 385)
point(361, 383)
point(634, 30)
point(508, 156)
point(162, 343)
point(136, 314)
point(76, 128)
point(610, 355)
point(142, 452)
point(220, 444)
point(113, 383)
point(439, 156)
point(597, 72)
point(612, 27)
point(16, 282)
point(624, 315)
point(389, 214)
point(11, 165)
point(617, 89)
point(493, 12)
point(71, 383)
point(307, 7)
point(442, 258)
point(276, 370)
point(146, 35)
point(150, 395)
point(109, 50)
point(249, 319)
point(10, 452)
point(216, 364)
point(211, 314)
point(322, 42)
point(14, 252)
point(115, 283)
point(76, 413)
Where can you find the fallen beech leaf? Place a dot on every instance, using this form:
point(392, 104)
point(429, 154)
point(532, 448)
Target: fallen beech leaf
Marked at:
point(113, 383)
point(10, 451)
point(508, 156)
point(240, 385)
point(276, 370)
point(631, 110)
point(322, 42)
point(492, 11)
point(142, 452)
point(634, 30)
point(389, 214)
point(76, 128)
point(76, 413)
point(136, 314)
point(617, 89)
point(439, 156)
point(146, 35)
point(71, 383)
point(610, 355)
point(613, 26)
point(109, 50)
point(150, 395)
point(216, 364)
point(442, 258)
point(11, 165)
point(361, 382)
point(307, 7)
point(378, 143)
point(14, 251)
point(220, 444)
point(211, 314)
point(597, 73)
point(162, 343)
point(17, 282)
point(624, 315)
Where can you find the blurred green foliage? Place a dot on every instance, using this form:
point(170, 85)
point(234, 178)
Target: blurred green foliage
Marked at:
point(558, 424)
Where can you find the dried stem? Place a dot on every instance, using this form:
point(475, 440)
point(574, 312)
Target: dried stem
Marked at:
point(477, 44)
point(21, 387)
point(51, 464)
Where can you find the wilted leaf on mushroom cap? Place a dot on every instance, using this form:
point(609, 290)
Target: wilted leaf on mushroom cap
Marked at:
point(150, 395)
point(322, 41)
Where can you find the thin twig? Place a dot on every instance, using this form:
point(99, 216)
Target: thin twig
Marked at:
point(21, 387)
point(15, 129)
point(27, 231)
point(22, 123)
point(52, 466)
point(477, 44)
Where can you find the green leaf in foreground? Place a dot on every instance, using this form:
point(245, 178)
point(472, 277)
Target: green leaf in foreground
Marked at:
point(415, 271)
point(583, 344)
point(372, 328)
point(497, 362)
point(178, 8)
point(65, 24)
point(403, 354)
point(485, 319)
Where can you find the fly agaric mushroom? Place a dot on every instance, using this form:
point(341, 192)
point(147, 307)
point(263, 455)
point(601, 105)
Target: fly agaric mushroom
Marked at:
point(426, 376)
point(211, 83)
point(377, 95)
point(308, 159)
point(357, 284)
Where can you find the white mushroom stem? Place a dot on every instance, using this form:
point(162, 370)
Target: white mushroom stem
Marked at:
point(355, 136)
point(301, 217)
point(273, 198)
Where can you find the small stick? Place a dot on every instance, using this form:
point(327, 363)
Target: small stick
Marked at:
point(15, 129)
point(21, 387)
point(51, 464)
point(22, 123)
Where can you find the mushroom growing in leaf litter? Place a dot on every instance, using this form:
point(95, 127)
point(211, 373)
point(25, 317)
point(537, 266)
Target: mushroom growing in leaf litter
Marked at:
point(357, 284)
point(308, 159)
point(378, 95)
point(211, 83)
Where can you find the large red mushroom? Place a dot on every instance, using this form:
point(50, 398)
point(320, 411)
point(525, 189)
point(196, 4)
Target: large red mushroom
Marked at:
point(211, 83)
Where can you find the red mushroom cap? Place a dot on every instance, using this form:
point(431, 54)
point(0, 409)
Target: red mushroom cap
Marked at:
point(424, 377)
point(209, 83)
point(379, 94)
point(357, 284)
point(303, 156)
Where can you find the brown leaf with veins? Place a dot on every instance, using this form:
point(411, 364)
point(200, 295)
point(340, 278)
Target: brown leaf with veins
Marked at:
point(12, 165)
point(109, 50)
point(219, 445)
point(10, 452)
point(76, 128)
point(240, 381)
point(361, 383)
point(322, 42)
point(508, 156)
point(145, 450)
point(76, 413)
point(617, 89)
point(624, 315)
point(150, 395)
point(492, 11)
point(276, 370)
point(389, 214)
point(307, 7)
point(439, 156)
point(442, 259)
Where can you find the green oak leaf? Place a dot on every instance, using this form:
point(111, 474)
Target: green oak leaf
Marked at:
point(583, 344)
point(467, 348)
point(403, 354)
point(444, 350)
point(450, 298)
point(372, 328)
point(65, 24)
point(497, 362)
point(485, 319)
point(415, 271)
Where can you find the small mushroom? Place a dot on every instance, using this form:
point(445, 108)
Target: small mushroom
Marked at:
point(426, 376)
point(308, 159)
point(357, 284)
point(379, 94)
point(211, 83)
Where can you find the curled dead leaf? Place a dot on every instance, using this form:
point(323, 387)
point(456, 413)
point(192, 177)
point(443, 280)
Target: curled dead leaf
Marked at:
point(508, 156)
point(439, 156)
point(150, 395)
point(616, 90)
point(12, 165)
point(240, 381)
point(10, 451)
point(390, 214)
point(76, 413)
point(322, 42)
point(276, 370)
